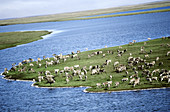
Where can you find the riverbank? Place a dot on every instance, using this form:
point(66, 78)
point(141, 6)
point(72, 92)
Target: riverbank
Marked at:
point(12, 39)
point(127, 14)
point(85, 90)
point(108, 72)
point(77, 15)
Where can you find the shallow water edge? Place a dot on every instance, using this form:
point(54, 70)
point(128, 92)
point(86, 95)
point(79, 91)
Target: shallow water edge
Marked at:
point(85, 90)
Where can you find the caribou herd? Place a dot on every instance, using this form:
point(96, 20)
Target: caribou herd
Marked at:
point(140, 68)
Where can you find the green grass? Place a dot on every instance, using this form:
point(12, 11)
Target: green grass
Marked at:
point(76, 15)
point(160, 48)
point(12, 39)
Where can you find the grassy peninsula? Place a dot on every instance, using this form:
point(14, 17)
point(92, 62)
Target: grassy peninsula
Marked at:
point(12, 39)
point(77, 15)
point(148, 61)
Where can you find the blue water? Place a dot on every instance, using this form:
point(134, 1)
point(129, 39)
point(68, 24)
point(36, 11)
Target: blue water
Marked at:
point(77, 35)
point(125, 12)
point(20, 97)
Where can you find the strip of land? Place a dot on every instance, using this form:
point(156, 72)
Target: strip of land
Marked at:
point(12, 39)
point(133, 66)
point(76, 15)
point(117, 15)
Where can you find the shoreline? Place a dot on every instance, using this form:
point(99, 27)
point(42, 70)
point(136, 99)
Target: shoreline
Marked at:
point(50, 32)
point(95, 17)
point(124, 90)
point(75, 15)
point(34, 33)
point(119, 15)
point(90, 85)
point(85, 90)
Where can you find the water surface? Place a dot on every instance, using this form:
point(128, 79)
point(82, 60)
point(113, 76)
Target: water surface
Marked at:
point(92, 34)
point(77, 35)
point(18, 96)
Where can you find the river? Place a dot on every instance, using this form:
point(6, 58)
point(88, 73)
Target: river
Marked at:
point(76, 35)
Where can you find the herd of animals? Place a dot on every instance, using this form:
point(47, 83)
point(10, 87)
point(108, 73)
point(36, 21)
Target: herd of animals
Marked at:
point(134, 68)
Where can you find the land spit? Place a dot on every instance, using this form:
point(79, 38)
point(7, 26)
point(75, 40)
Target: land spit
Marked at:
point(103, 70)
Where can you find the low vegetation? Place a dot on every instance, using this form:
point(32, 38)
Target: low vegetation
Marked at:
point(12, 39)
point(77, 15)
point(127, 14)
point(133, 66)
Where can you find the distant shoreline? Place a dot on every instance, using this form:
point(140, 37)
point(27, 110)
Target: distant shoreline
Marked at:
point(126, 14)
point(77, 15)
